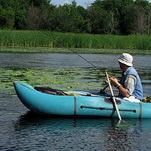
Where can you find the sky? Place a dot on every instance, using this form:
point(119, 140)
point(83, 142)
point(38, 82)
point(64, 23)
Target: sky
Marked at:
point(83, 3)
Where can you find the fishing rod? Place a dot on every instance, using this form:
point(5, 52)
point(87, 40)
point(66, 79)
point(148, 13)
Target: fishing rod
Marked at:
point(84, 58)
point(102, 90)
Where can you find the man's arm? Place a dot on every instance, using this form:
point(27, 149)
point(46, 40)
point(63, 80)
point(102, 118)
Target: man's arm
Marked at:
point(128, 87)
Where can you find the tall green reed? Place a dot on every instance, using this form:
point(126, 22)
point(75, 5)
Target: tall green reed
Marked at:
point(26, 38)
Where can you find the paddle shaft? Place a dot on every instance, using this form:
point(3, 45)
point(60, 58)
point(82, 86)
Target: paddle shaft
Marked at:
point(112, 93)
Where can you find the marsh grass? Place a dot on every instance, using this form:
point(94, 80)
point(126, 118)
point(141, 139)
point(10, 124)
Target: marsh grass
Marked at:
point(24, 39)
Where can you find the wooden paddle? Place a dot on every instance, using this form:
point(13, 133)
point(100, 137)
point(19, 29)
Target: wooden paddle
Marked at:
point(114, 100)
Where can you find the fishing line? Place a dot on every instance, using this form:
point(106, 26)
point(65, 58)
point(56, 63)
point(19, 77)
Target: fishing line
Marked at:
point(83, 58)
point(79, 55)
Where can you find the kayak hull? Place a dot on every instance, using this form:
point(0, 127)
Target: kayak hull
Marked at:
point(82, 105)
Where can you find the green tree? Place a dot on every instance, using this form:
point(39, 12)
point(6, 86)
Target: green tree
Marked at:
point(34, 18)
point(37, 14)
point(13, 13)
point(7, 18)
point(21, 8)
point(2, 17)
point(142, 17)
point(112, 7)
point(39, 3)
point(126, 19)
point(68, 18)
point(100, 18)
point(16, 13)
point(7, 14)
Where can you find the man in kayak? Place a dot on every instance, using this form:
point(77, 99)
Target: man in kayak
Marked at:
point(130, 87)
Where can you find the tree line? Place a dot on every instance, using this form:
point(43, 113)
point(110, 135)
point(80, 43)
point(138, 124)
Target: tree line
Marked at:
point(120, 17)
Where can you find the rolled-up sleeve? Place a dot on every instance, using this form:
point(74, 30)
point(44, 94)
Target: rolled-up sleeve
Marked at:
point(130, 83)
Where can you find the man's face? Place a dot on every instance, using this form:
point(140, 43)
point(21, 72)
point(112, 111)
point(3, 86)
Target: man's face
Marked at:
point(121, 65)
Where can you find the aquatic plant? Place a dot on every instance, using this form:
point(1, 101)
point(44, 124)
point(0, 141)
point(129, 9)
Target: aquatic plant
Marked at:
point(66, 79)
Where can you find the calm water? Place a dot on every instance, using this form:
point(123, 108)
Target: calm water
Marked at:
point(23, 130)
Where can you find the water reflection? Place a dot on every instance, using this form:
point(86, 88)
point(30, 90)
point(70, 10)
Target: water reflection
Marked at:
point(83, 133)
point(57, 122)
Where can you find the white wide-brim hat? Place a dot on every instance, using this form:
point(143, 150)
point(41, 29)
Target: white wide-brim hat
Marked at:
point(126, 59)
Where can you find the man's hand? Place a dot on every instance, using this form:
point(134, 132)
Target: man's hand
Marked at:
point(121, 89)
point(114, 81)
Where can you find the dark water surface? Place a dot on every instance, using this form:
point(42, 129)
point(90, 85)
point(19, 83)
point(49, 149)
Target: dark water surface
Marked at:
point(22, 130)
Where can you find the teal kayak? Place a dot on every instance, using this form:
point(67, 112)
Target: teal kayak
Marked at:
point(80, 104)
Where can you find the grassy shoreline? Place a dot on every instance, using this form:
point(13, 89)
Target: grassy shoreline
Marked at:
point(71, 50)
point(51, 42)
